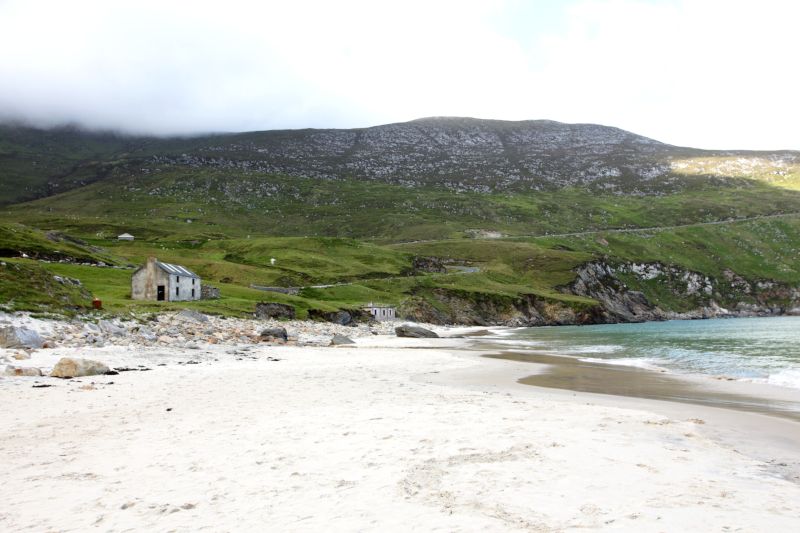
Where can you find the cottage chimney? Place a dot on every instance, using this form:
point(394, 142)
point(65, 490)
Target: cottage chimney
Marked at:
point(151, 262)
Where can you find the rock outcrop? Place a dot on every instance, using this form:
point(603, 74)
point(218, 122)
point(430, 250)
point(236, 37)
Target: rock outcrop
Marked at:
point(265, 310)
point(343, 317)
point(624, 292)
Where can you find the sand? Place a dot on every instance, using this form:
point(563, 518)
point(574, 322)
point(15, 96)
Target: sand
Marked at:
point(390, 435)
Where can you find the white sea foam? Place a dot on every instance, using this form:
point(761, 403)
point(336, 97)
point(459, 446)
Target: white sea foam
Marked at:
point(789, 377)
point(505, 332)
point(517, 342)
point(645, 363)
point(597, 348)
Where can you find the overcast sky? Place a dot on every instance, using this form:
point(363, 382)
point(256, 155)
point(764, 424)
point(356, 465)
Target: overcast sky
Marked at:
point(704, 73)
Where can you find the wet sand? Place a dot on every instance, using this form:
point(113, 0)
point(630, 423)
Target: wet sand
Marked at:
point(568, 373)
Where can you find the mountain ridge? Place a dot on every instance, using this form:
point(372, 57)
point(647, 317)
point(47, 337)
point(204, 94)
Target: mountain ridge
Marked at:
point(453, 153)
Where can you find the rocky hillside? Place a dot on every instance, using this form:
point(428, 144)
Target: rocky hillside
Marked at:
point(456, 154)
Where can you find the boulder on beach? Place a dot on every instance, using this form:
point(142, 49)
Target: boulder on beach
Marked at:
point(273, 335)
point(19, 337)
point(415, 332)
point(22, 371)
point(70, 367)
point(338, 340)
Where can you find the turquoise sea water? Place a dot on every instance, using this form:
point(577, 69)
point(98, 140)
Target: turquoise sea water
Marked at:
point(755, 349)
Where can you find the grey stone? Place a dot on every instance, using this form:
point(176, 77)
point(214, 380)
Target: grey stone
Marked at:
point(111, 329)
point(18, 337)
point(414, 332)
point(191, 315)
point(274, 334)
point(338, 340)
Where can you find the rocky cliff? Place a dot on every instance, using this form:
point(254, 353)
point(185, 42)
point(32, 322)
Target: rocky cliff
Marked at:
point(626, 292)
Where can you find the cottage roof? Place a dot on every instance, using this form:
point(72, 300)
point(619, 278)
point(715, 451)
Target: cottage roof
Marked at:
point(178, 270)
point(125, 235)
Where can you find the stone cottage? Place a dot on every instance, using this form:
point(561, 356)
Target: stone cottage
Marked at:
point(164, 282)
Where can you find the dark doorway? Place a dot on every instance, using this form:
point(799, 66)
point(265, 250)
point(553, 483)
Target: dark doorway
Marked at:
point(160, 293)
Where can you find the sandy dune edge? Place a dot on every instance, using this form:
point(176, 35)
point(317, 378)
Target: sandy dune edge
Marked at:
point(357, 439)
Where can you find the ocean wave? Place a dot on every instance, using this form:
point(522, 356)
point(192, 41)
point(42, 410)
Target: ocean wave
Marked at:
point(644, 363)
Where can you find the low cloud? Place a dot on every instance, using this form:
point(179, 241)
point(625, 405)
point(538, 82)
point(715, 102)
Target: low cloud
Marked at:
point(709, 74)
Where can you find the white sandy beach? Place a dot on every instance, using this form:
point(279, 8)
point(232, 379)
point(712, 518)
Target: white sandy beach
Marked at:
point(378, 436)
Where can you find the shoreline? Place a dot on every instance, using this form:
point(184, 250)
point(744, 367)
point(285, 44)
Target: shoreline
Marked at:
point(387, 434)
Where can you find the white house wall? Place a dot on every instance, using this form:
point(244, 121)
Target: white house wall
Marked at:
point(185, 286)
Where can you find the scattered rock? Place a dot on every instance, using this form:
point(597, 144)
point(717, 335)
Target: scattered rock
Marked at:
point(414, 332)
point(19, 356)
point(68, 367)
point(266, 310)
point(341, 339)
point(342, 318)
point(23, 371)
point(273, 335)
point(191, 315)
point(42, 386)
point(110, 328)
point(18, 337)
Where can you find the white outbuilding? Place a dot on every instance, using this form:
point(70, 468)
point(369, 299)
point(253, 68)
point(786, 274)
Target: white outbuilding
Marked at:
point(381, 313)
point(125, 237)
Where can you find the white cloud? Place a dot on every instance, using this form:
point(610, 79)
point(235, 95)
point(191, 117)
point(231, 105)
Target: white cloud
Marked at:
point(704, 73)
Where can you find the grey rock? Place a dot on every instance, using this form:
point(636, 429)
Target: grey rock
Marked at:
point(414, 332)
point(338, 340)
point(18, 337)
point(274, 334)
point(193, 316)
point(110, 328)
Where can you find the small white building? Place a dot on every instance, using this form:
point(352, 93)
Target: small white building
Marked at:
point(125, 237)
point(164, 282)
point(381, 313)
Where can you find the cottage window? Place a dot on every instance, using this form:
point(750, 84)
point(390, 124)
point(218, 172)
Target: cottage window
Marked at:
point(192, 281)
point(177, 291)
point(178, 279)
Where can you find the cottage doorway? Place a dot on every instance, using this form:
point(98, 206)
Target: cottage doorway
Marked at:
point(160, 293)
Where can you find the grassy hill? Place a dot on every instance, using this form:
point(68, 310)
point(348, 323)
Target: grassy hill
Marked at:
point(351, 209)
